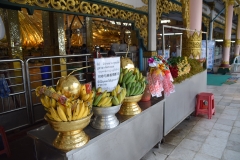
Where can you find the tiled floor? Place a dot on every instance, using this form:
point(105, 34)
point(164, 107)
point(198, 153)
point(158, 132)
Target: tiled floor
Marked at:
point(206, 139)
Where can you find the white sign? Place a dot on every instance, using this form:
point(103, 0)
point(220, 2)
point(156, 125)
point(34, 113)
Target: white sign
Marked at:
point(107, 72)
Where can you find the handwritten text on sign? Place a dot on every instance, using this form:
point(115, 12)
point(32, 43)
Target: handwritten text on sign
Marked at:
point(107, 71)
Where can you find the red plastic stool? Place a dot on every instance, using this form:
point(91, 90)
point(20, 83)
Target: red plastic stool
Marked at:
point(205, 104)
point(5, 142)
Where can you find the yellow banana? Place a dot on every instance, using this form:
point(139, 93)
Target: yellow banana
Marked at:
point(53, 102)
point(76, 112)
point(104, 94)
point(83, 90)
point(99, 90)
point(69, 113)
point(85, 112)
point(120, 98)
point(81, 110)
point(91, 95)
point(118, 88)
point(108, 103)
point(49, 116)
point(61, 114)
point(47, 101)
point(54, 115)
point(85, 97)
point(62, 107)
point(114, 93)
point(102, 101)
point(42, 99)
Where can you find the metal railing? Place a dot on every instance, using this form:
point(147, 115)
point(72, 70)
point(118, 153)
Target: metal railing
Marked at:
point(47, 71)
point(14, 109)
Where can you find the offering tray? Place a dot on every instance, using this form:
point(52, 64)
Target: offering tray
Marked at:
point(130, 105)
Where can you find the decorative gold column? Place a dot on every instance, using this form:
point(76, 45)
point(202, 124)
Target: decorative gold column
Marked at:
point(14, 39)
point(89, 33)
point(192, 41)
point(48, 46)
point(237, 41)
point(58, 38)
point(13, 33)
point(227, 32)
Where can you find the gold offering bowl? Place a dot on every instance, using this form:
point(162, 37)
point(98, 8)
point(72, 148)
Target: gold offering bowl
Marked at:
point(130, 106)
point(70, 134)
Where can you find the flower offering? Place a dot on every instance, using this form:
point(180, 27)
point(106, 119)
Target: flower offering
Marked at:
point(159, 77)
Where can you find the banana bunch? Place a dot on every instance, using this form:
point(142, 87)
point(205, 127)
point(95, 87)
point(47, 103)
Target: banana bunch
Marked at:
point(71, 111)
point(85, 97)
point(48, 102)
point(108, 99)
point(133, 81)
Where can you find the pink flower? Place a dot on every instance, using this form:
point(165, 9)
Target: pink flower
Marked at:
point(150, 60)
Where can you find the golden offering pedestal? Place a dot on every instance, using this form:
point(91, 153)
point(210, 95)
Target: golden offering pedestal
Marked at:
point(130, 106)
point(70, 134)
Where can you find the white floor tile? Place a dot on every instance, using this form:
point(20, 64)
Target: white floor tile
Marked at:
point(231, 155)
point(237, 124)
point(190, 144)
point(165, 149)
point(201, 156)
point(222, 127)
point(214, 141)
point(182, 154)
point(233, 145)
point(227, 116)
point(236, 130)
point(212, 150)
point(225, 121)
point(219, 134)
point(234, 137)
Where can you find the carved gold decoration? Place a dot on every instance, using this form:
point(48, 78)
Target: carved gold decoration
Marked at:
point(215, 24)
point(186, 13)
point(237, 42)
point(192, 45)
point(225, 62)
point(140, 20)
point(149, 54)
point(227, 43)
point(165, 6)
point(119, 3)
point(206, 21)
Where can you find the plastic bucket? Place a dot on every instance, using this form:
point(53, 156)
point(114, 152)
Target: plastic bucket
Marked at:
point(46, 75)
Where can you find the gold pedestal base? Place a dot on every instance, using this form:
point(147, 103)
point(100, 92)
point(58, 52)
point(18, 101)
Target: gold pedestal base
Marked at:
point(70, 134)
point(130, 106)
point(67, 141)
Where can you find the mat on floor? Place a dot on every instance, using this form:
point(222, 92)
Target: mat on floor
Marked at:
point(231, 80)
point(216, 79)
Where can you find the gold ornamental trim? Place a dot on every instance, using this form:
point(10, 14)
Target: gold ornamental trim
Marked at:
point(186, 13)
point(192, 44)
point(206, 22)
point(225, 62)
point(93, 9)
point(227, 43)
point(149, 54)
point(165, 6)
point(237, 42)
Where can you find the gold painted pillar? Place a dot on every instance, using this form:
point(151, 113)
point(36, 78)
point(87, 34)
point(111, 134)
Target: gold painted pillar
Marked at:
point(14, 39)
point(89, 34)
point(192, 19)
point(58, 38)
point(13, 33)
point(237, 41)
point(48, 46)
point(227, 32)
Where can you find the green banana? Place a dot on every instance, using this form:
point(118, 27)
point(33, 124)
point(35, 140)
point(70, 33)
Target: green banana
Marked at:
point(120, 78)
point(97, 99)
point(131, 79)
point(128, 92)
point(129, 85)
point(115, 101)
point(124, 85)
point(125, 77)
point(132, 90)
point(125, 70)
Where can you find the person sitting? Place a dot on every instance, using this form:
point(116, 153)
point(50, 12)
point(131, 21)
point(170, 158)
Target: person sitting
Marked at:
point(111, 53)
